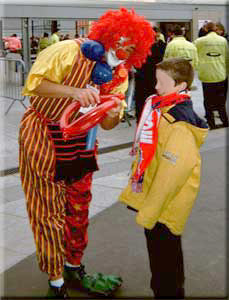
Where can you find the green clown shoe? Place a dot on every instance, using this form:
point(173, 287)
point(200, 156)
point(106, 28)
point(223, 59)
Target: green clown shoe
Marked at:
point(97, 284)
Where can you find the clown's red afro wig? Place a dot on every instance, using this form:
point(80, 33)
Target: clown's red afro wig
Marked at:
point(115, 24)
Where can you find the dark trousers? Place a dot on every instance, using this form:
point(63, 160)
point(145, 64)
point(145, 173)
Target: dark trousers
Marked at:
point(215, 96)
point(166, 262)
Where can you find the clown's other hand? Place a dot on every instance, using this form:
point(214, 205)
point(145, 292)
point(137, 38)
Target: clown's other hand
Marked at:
point(86, 97)
point(115, 112)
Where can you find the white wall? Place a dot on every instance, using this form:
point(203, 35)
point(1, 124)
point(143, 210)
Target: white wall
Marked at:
point(68, 14)
point(11, 25)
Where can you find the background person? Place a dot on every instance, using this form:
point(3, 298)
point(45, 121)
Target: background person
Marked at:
point(213, 69)
point(203, 31)
point(13, 43)
point(220, 30)
point(145, 79)
point(34, 44)
point(43, 42)
point(169, 35)
point(67, 37)
point(55, 37)
point(13, 47)
point(180, 47)
point(161, 35)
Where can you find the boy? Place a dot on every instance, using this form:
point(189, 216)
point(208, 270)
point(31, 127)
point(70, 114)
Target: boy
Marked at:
point(166, 173)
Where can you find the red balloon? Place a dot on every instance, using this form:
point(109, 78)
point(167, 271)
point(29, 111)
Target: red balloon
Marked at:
point(88, 120)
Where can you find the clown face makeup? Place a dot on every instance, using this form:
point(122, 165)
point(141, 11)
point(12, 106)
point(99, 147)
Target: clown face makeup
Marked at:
point(121, 53)
point(124, 48)
point(111, 59)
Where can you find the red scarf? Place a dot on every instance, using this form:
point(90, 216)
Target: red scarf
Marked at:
point(147, 131)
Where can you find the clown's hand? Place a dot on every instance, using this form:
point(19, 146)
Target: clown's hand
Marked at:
point(86, 96)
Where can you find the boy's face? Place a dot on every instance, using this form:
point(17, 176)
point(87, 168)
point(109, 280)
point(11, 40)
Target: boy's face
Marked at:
point(166, 84)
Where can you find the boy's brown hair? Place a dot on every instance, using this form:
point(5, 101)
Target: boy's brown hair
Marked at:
point(179, 69)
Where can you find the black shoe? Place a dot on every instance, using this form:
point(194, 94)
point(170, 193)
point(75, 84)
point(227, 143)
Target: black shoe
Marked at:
point(57, 292)
point(96, 284)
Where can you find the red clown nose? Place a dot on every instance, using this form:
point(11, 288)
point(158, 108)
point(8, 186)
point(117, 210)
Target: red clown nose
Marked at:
point(121, 54)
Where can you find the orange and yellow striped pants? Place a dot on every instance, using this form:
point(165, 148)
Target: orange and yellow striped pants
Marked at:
point(58, 213)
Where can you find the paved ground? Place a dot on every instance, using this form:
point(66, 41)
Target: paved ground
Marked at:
point(119, 248)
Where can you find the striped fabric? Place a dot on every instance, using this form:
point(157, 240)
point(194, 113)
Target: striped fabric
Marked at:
point(46, 198)
point(73, 161)
point(52, 108)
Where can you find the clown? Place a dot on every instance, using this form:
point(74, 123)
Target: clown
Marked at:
point(56, 173)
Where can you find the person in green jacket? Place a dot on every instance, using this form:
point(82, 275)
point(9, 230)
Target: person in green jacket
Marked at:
point(213, 68)
point(165, 176)
point(55, 37)
point(44, 42)
point(180, 47)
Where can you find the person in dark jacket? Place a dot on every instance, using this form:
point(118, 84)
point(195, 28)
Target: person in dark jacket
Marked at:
point(145, 79)
point(203, 30)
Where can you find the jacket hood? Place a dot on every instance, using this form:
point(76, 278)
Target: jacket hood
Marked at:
point(199, 133)
point(184, 112)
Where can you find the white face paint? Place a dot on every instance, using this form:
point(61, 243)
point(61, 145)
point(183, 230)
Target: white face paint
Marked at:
point(112, 59)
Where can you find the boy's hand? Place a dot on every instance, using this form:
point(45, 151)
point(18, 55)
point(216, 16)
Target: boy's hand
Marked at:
point(115, 112)
point(112, 116)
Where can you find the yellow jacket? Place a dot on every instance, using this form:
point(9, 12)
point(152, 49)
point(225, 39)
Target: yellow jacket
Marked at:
point(171, 182)
point(213, 57)
point(180, 47)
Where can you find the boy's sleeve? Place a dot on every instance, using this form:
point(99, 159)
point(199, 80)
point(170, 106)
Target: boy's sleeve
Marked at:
point(176, 164)
point(53, 64)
